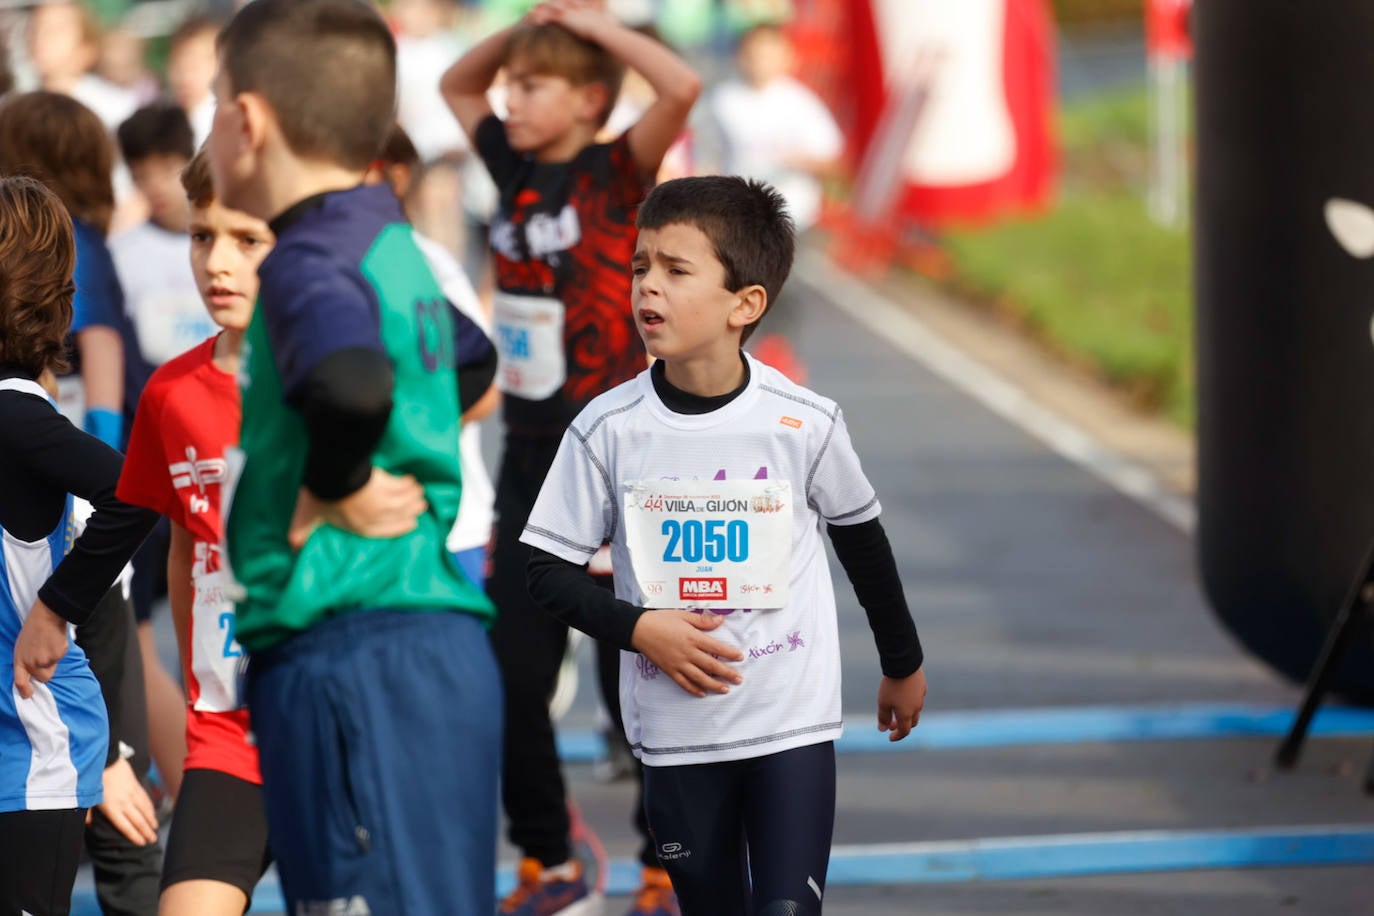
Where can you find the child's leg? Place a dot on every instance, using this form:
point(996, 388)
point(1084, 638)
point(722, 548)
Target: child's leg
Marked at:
point(789, 820)
point(608, 677)
point(379, 735)
point(166, 712)
point(41, 851)
point(529, 645)
point(696, 814)
point(126, 876)
point(217, 849)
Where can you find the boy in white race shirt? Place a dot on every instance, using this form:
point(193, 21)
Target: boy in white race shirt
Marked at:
point(709, 475)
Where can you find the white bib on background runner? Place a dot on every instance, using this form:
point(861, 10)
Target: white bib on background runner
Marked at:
point(529, 340)
point(710, 543)
point(71, 399)
point(216, 656)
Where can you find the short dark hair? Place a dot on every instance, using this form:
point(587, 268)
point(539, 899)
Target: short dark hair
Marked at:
point(159, 129)
point(198, 182)
point(326, 67)
point(745, 220)
point(193, 26)
point(62, 143)
point(37, 257)
point(399, 149)
point(552, 49)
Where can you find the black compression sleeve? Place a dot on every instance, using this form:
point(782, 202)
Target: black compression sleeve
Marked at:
point(567, 592)
point(346, 403)
point(48, 457)
point(866, 555)
point(474, 380)
point(107, 639)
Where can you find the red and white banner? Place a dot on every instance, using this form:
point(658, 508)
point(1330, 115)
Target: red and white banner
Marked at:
point(950, 107)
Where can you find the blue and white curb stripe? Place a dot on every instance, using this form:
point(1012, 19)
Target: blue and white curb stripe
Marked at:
point(1063, 725)
point(1012, 858)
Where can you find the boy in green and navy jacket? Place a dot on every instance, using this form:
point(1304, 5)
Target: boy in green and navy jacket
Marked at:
point(369, 658)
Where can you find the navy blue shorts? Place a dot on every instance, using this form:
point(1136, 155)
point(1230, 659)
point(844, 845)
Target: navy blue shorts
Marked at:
point(380, 738)
point(746, 837)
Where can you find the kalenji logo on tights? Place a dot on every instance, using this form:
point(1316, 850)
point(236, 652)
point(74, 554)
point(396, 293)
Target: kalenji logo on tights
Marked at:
point(701, 589)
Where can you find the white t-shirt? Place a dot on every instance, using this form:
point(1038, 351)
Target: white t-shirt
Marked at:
point(421, 109)
point(773, 431)
point(472, 528)
point(202, 118)
point(160, 294)
point(112, 104)
point(762, 128)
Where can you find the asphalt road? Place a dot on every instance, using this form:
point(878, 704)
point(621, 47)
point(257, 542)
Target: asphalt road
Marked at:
point(1034, 584)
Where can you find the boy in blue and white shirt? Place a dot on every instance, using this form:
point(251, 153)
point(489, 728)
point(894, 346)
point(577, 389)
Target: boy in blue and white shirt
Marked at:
point(709, 475)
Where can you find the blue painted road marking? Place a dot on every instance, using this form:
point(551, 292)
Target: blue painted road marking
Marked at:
point(1064, 725)
point(1010, 858)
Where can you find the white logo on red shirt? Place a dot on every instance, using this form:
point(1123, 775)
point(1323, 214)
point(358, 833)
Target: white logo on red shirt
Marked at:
point(198, 473)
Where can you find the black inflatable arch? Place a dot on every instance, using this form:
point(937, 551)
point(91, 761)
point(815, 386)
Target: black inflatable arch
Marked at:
point(1284, 280)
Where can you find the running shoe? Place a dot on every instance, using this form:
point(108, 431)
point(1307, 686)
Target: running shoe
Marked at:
point(557, 891)
point(655, 896)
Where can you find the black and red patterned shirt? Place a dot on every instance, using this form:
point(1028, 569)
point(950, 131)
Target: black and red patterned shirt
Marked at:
point(567, 231)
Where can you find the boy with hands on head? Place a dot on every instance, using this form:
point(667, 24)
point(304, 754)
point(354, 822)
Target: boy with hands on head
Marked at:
point(710, 475)
point(561, 236)
point(366, 641)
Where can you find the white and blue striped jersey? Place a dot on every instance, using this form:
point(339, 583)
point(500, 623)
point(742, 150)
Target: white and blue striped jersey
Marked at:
point(52, 745)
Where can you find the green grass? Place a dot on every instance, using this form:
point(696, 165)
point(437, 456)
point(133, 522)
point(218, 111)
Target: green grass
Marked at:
point(1095, 278)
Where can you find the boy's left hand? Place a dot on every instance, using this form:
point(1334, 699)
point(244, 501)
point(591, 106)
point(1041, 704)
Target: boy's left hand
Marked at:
point(387, 506)
point(900, 703)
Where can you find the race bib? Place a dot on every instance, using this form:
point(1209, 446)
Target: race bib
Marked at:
point(216, 656)
point(234, 459)
point(71, 399)
point(710, 543)
point(529, 340)
point(169, 325)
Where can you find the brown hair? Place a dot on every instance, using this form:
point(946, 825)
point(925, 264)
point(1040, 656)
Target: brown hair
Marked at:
point(553, 50)
point(37, 257)
point(399, 149)
point(326, 67)
point(745, 220)
point(193, 27)
point(196, 179)
point(61, 142)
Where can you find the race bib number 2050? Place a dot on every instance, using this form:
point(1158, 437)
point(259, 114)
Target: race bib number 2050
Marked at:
point(710, 543)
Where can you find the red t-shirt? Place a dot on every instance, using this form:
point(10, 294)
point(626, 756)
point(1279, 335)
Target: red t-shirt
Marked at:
point(567, 230)
point(188, 414)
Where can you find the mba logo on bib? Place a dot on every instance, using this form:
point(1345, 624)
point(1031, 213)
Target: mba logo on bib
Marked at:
point(712, 589)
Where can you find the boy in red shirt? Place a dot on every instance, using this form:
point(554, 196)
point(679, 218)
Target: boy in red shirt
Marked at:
point(188, 415)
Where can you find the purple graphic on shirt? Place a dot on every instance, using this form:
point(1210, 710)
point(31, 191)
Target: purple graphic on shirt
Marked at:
point(760, 474)
point(795, 642)
point(647, 669)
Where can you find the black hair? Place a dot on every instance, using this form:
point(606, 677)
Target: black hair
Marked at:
point(157, 129)
point(745, 220)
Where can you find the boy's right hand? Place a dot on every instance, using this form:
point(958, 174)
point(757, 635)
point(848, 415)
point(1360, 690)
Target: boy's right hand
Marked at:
point(386, 506)
point(677, 643)
point(127, 805)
